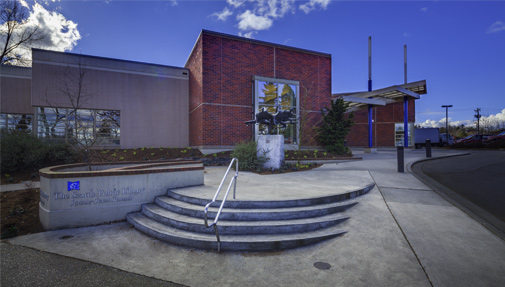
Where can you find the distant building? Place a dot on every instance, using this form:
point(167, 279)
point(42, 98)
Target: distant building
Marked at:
point(226, 80)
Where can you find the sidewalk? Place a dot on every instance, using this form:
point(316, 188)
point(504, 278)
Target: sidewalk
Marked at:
point(401, 233)
point(18, 186)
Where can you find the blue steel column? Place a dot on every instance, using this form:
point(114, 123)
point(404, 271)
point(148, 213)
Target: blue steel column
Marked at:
point(370, 127)
point(405, 121)
point(405, 103)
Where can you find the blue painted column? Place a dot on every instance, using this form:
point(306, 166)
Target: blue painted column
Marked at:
point(370, 127)
point(405, 121)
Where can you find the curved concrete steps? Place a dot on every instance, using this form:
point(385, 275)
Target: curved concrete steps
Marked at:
point(245, 225)
point(246, 214)
point(194, 224)
point(262, 242)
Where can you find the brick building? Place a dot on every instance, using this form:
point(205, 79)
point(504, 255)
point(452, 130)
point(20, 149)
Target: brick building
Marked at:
point(232, 78)
point(226, 81)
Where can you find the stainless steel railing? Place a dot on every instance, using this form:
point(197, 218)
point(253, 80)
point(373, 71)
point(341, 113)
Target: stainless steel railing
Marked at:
point(232, 181)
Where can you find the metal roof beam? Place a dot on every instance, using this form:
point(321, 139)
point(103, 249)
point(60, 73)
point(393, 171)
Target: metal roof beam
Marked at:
point(375, 102)
point(408, 92)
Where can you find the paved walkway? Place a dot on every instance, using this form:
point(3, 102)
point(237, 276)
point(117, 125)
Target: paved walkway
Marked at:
point(19, 186)
point(402, 233)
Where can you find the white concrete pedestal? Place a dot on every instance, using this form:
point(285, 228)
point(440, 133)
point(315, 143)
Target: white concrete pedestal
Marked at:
point(274, 145)
point(370, 150)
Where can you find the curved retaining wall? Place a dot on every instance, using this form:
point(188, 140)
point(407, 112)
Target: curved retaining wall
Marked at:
point(72, 196)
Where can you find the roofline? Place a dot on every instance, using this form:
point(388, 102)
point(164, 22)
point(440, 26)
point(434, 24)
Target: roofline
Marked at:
point(407, 85)
point(194, 46)
point(15, 71)
point(108, 59)
point(208, 32)
point(243, 39)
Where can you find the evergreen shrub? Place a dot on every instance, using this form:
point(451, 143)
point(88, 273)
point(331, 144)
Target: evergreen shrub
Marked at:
point(336, 125)
point(247, 154)
point(22, 151)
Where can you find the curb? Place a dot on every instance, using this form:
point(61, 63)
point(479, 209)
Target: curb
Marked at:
point(477, 213)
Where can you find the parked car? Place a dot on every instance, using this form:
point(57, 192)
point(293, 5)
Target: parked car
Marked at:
point(473, 139)
point(499, 136)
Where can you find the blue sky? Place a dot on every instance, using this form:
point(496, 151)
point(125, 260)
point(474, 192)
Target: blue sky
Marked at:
point(458, 47)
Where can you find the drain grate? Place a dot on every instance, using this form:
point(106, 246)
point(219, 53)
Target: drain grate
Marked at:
point(322, 265)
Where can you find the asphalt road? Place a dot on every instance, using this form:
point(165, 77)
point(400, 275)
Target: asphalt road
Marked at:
point(478, 177)
point(22, 266)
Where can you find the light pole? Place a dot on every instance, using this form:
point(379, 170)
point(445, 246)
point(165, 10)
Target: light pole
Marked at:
point(446, 122)
point(477, 116)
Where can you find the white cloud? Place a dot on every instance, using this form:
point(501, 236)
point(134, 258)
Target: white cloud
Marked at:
point(441, 123)
point(23, 3)
point(496, 27)
point(250, 21)
point(60, 34)
point(258, 15)
point(235, 3)
point(492, 120)
point(174, 2)
point(432, 124)
point(406, 35)
point(499, 117)
point(313, 4)
point(249, 35)
point(424, 9)
point(223, 15)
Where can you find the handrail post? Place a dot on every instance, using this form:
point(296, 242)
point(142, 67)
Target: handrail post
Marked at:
point(206, 209)
point(236, 177)
point(218, 240)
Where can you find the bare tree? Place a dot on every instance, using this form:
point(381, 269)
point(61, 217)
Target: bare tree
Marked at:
point(16, 33)
point(308, 122)
point(74, 85)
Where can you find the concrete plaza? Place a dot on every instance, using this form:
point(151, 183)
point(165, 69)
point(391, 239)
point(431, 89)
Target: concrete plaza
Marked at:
point(402, 233)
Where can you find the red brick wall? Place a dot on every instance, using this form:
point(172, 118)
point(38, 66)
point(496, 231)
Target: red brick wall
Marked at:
point(221, 87)
point(385, 118)
point(194, 64)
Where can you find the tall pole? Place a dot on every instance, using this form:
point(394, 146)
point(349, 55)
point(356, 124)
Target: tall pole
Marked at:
point(370, 63)
point(478, 115)
point(370, 129)
point(405, 103)
point(405, 63)
point(446, 122)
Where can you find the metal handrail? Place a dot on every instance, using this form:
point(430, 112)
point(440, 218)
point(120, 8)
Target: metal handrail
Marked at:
point(232, 181)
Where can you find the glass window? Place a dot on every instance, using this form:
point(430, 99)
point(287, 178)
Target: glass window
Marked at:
point(399, 134)
point(16, 122)
point(97, 127)
point(277, 95)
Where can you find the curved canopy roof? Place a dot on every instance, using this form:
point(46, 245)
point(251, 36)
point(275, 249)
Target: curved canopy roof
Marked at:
point(382, 97)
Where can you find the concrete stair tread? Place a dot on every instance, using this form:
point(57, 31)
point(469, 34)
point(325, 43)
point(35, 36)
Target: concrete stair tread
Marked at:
point(190, 206)
point(154, 208)
point(153, 225)
point(183, 195)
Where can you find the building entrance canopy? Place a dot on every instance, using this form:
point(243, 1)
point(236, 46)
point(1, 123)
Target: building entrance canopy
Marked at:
point(382, 97)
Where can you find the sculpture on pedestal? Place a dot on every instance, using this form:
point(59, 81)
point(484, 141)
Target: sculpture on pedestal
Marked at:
point(281, 118)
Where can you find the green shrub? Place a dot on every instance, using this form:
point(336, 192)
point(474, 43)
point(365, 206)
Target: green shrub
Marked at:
point(336, 125)
point(247, 154)
point(22, 151)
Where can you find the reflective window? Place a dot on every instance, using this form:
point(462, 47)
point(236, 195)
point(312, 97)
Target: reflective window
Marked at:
point(96, 127)
point(400, 135)
point(16, 122)
point(277, 95)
